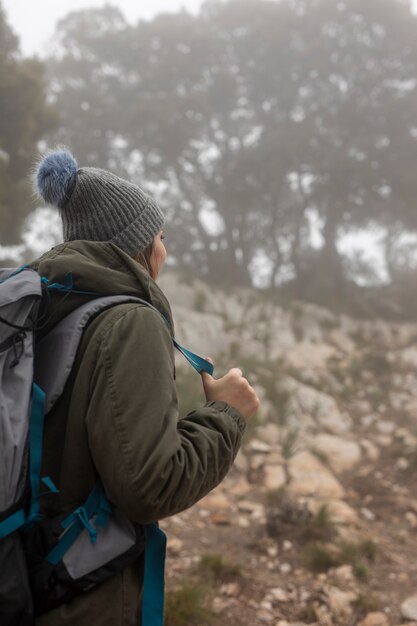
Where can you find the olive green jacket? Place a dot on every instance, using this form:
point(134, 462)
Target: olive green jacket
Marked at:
point(118, 420)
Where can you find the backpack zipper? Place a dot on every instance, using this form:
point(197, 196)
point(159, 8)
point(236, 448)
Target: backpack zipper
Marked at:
point(17, 342)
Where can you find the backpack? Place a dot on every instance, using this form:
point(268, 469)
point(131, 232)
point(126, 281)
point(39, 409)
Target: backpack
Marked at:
point(45, 562)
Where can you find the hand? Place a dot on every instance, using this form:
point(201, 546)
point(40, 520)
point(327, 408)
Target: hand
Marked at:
point(233, 389)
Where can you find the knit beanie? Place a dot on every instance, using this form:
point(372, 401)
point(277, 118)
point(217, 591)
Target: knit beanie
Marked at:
point(97, 205)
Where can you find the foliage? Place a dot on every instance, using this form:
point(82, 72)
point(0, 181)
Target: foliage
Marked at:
point(185, 606)
point(24, 119)
point(320, 556)
point(249, 121)
point(214, 565)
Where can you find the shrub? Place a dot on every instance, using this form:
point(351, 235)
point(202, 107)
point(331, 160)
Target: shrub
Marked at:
point(185, 607)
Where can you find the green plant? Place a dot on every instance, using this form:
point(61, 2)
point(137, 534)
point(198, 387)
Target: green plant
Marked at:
point(375, 397)
point(279, 396)
point(360, 570)
point(200, 301)
point(412, 458)
point(366, 603)
point(353, 553)
point(319, 557)
point(377, 362)
point(330, 323)
point(214, 565)
point(355, 369)
point(320, 455)
point(185, 606)
point(289, 444)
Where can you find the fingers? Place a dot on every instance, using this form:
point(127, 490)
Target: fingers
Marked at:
point(235, 371)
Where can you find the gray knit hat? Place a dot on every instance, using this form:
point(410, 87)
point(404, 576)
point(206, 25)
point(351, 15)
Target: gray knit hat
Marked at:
point(97, 205)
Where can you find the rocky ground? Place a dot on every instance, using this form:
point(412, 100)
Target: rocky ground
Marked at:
point(317, 521)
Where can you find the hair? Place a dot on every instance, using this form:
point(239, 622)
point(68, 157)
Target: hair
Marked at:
point(144, 259)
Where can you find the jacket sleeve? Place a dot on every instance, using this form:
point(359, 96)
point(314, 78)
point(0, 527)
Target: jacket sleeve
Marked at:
point(151, 463)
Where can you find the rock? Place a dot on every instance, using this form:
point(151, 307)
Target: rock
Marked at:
point(307, 355)
point(279, 334)
point(343, 575)
point(339, 511)
point(221, 519)
point(258, 446)
point(215, 501)
point(384, 440)
point(283, 622)
point(174, 546)
point(230, 589)
point(241, 462)
point(265, 616)
point(411, 519)
point(309, 477)
point(306, 405)
point(269, 433)
point(256, 509)
point(274, 477)
point(370, 449)
point(339, 603)
point(408, 357)
point(341, 340)
point(285, 568)
point(278, 594)
point(402, 464)
point(341, 454)
point(376, 618)
point(368, 514)
point(257, 461)
point(386, 427)
point(363, 407)
point(189, 325)
point(219, 604)
point(409, 608)
point(239, 488)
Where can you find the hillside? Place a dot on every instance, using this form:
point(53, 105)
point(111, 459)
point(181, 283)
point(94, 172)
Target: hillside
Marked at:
point(317, 521)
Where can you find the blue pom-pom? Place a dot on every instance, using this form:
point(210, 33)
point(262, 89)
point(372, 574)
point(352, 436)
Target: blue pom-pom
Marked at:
point(56, 177)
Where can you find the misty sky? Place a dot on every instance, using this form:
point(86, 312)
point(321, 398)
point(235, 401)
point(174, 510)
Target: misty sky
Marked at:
point(34, 20)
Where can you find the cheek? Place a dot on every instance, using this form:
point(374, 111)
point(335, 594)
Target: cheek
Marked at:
point(160, 253)
point(163, 253)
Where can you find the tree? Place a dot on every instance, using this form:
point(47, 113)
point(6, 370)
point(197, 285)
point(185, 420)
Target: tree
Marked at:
point(24, 118)
point(248, 118)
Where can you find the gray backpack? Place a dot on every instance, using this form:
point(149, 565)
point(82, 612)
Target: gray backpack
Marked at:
point(45, 562)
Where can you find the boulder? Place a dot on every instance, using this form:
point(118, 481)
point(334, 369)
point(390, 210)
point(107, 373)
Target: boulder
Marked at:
point(309, 355)
point(376, 618)
point(307, 405)
point(409, 608)
point(309, 477)
point(341, 454)
point(274, 477)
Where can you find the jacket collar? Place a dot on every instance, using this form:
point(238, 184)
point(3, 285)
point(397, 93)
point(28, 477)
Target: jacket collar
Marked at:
point(97, 268)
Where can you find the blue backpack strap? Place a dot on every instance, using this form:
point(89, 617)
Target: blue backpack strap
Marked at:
point(35, 451)
point(19, 518)
point(153, 585)
point(78, 520)
point(198, 363)
point(12, 523)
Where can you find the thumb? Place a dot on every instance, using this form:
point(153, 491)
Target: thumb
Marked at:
point(208, 382)
point(206, 377)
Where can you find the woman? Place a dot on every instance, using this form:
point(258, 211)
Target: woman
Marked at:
point(117, 420)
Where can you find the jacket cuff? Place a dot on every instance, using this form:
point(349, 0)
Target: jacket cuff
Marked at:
point(235, 414)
